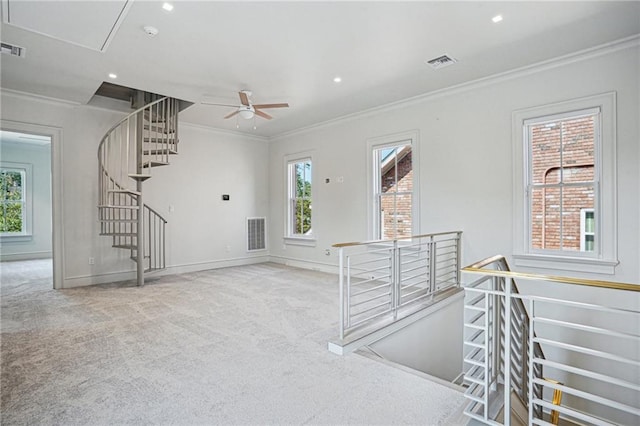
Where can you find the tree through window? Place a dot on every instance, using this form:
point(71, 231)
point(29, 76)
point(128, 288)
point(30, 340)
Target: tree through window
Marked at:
point(12, 197)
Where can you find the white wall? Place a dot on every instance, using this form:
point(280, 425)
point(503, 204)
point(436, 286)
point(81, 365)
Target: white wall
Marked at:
point(39, 156)
point(465, 160)
point(209, 163)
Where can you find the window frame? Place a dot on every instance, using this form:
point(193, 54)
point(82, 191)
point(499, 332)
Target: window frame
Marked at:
point(604, 258)
point(583, 231)
point(410, 138)
point(290, 236)
point(27, 201)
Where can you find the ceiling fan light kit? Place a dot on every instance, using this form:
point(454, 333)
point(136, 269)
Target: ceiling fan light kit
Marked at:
point(247, 110)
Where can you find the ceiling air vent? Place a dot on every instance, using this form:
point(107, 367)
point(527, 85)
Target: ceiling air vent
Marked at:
point(441, 62)
point(12, 50)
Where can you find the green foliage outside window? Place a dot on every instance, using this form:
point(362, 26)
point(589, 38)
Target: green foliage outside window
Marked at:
point(12, 199)
point(303, 198)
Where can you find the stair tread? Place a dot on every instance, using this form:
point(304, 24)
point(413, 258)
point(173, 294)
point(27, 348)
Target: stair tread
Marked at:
point(110, 206)
point(148, 164)
point(139, 176)
point(159, 151)
point(159, 129)
point(119, 234)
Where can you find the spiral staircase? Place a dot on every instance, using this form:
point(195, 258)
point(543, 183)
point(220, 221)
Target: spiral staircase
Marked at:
point(143, 140)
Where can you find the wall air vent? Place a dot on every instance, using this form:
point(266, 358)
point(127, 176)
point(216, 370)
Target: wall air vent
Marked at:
point(10, 49)
point(256, 233)
point(441, 62)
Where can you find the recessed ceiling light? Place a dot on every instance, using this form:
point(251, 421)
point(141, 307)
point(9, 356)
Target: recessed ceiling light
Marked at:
point(337, 80)
point(112, 75)
point(496, 19)
point(167, 6)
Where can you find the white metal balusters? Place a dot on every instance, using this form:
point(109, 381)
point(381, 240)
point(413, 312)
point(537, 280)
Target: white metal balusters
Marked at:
point(127, 153)
point(589, 349)
point(389, 279)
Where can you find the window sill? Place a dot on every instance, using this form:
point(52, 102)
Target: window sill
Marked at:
point(565, 263)
point(18, 238)
point(300, 241)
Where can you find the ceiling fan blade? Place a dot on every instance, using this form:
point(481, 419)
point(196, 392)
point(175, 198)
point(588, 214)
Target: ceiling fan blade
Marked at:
point(263, 114)
point(263, 106)
point(231, 115)
point(244, 99)
point(211, 103)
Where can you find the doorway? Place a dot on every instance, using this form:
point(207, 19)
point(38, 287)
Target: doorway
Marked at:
point(30, 194)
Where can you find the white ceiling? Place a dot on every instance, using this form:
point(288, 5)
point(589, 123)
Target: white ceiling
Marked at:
point(291, 51)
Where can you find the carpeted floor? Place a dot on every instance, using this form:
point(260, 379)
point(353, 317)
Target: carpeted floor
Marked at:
point(244, 345)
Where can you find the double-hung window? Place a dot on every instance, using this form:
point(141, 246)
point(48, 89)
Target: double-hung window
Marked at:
point(13, 199)
point(565, 185)
point(393, 186)
point(299, 208)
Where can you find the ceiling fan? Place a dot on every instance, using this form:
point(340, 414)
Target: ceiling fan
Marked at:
point(246, 109)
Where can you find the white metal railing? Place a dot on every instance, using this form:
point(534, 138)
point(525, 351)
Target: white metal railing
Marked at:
point(389, 279)
point(142, 140)
point(567, 359)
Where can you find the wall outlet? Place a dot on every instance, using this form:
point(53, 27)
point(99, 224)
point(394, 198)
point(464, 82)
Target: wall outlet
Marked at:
point(92, 261)
point(327, 252)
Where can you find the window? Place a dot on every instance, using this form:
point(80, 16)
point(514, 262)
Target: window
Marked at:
point(564, 196)
point(587, 230)
point(561, 179)
point(300, 201)
point(393, 187)
point(13, 217)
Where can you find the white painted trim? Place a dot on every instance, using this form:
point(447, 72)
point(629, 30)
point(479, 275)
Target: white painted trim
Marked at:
point(27, 200)
point(25, 256)
point(606, 257)
point(290, 159)
point(40, 98)
point(57, 190)
point(305, 264)
point(111, 277)
point(582, 55)
point(387, 140)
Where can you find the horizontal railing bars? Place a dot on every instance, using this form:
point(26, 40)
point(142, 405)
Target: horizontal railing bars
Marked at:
point(372, 308)
point(587, 351)
point(363, 243)
point(369, 300)
point(423, 260)
point(586, 328)
point(571, 413)
point(404, 287)
point(589, 396)
point(365, 262)
point(353, 295)
point(450, 259)
point(581, 305)
point(411, 277)
point(365, 320)
point(371, 280)
point(420, 290)
point(587, 373)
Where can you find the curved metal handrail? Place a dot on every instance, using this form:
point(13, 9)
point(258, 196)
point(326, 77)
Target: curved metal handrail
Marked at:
point(106, 135)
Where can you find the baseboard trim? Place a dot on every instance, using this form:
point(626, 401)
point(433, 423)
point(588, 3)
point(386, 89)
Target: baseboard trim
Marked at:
point(305, 264)
point(26, 256)
point(111, 277)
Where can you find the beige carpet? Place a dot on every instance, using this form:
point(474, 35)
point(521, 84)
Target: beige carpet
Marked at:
point(243, 345)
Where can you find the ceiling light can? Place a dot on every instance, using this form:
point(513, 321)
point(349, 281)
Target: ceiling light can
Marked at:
point(496, 19)
point(167, 6)
point(113, 75)
point(151, 31)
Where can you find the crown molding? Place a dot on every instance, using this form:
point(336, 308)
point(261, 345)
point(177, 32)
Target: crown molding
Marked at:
point(581, 55)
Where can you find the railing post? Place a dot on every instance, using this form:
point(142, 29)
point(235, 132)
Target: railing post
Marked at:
point(395, 288)
point(507, 353)
point(432, 265)
point(341, 281)
point(458, 257)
